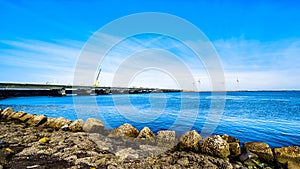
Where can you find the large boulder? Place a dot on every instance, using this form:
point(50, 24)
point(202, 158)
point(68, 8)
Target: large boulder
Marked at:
point(57, 123)
point(49, 123)
point(62, 122)
point(214, 146)
point(126, 130)
point(262, 149)
point(76, 125)
point(234, 145)
point(7, 113)
point(230, 139)
point(190, 141)
point(166, 138)
point(27, 117)
point(37, 120)
point(18, 115)
point(146, 134)
point(286, 154)
point(235, 149)
point(92, 125)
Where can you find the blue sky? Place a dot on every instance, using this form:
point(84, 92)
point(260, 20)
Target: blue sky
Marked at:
point(257, 42)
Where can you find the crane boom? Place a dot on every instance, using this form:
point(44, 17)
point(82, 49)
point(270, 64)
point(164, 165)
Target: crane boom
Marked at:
point(97, 79)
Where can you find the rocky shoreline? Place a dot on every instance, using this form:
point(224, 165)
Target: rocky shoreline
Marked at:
point(37, 141)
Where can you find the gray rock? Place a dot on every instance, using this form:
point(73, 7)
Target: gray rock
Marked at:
point(76, 125)
point(92, 125)
point(126, 130)
point(1, 167)
point(37, 120)
point(190, 141)
point(214, 146)
point(285, 154)
point(127, 153)
point(151, 150)
point(146, 134)
point(262, 149)
point(166, 138)
point(248, 155)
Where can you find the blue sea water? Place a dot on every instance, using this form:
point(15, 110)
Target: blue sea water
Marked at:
point(271, 117)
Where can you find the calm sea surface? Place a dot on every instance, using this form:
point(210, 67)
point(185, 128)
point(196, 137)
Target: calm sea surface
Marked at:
point(271, 117)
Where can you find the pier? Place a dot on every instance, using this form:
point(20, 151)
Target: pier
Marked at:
point(31, 89)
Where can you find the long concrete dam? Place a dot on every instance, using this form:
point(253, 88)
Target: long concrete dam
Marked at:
point(29, 89)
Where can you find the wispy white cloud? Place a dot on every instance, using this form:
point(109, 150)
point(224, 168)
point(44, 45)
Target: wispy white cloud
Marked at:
point(245, 55)
point(148, 52)
point(257, 65)
point(260, 65)
point(40, 61)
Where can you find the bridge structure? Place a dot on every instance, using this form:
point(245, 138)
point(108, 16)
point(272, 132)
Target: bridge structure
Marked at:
point(34, 89)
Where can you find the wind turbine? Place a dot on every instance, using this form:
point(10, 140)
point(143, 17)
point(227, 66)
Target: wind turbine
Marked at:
point(238, 82)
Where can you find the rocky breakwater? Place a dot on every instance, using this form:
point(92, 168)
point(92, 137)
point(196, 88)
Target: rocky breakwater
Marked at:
point(37, 141)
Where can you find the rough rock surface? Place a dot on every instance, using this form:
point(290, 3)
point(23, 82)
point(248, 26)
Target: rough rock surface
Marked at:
point(60, 122)
point(36, 143)
point(50, 123)
point(262, 149)
point(7, 112)
point(146, 134)
point(234, 145)
point(248, 155)
point(78, 150)
point(285, 154)
point(214, 146)
point(18, 115)
point(126, 130)
point(166, 138)
point(92, 125)
point(56, 123)
point(293, 165)
point(26, 117)
point(190, 141)
point(230, 139)
point(235, 149)
point(37, 120)
point(76, 125)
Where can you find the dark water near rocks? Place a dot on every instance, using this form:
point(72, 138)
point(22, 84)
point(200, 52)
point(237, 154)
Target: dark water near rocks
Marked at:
point(271, 117)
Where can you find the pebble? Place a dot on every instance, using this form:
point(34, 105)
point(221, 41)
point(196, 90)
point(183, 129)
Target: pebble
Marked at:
point(9, 150)
point(44, 140)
